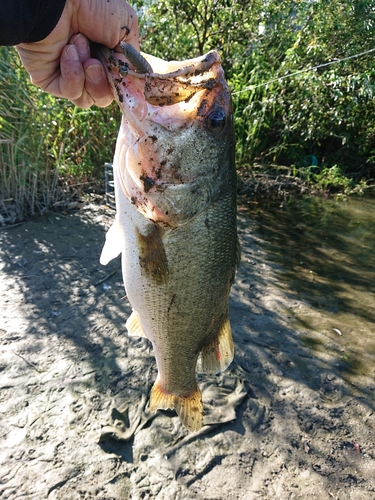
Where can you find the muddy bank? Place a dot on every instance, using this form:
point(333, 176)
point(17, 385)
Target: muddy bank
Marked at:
point(283, 421)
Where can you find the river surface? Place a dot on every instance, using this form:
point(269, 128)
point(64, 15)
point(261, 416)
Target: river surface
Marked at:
point(324, 250)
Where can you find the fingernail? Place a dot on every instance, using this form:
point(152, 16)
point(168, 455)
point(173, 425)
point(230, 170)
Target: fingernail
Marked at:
point(95, 73)
point(72, 53)
point(82, 44)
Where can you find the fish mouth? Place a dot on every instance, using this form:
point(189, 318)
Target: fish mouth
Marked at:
point(165, 83)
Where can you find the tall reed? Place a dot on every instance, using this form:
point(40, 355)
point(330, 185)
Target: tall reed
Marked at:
point(28, 177)
point(46, 142)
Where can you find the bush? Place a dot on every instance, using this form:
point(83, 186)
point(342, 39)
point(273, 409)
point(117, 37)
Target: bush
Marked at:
point(287, 114)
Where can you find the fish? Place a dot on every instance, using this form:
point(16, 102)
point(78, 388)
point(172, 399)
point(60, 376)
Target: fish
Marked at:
point(175, 222)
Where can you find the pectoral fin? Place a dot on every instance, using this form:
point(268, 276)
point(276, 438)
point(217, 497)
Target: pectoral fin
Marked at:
point(152, 257)
point(189, 408)
point(134, 326)
point(218, 355)
point(113, 245)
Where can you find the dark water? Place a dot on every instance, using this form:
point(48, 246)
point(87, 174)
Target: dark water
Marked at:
point(325, 251)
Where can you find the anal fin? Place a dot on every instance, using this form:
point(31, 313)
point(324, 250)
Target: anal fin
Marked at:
point(189, 408)
point(134, 326)
point(218, 354)
point(152, 257)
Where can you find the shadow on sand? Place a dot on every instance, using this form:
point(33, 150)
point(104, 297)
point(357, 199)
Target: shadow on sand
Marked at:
point(64, 315)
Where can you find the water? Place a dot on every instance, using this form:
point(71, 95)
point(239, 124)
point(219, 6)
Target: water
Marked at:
point(325, 251)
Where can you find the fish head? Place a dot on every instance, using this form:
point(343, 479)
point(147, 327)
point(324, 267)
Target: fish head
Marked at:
point(175, 150)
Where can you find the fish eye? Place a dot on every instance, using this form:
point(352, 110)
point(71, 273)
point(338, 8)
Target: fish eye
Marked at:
point(215, 121)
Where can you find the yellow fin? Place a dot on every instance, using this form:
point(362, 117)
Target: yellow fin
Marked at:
point(159, 400)
point(218, 354)
point(189, 408)
point(134, 326)
point(113, 245)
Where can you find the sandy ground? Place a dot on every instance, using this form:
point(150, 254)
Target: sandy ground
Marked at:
point(283, 422)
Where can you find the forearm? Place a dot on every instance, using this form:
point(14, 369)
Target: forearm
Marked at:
point(28, 20)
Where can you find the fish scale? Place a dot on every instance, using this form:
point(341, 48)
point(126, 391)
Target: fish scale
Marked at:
point(175, 224)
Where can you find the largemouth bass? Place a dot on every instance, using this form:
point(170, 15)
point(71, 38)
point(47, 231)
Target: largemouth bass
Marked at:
point(175, 224)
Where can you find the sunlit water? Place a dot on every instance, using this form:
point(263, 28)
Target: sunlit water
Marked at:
point(325, 251)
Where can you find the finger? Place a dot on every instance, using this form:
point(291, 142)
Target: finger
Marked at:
point(129, 30)
point(71, 83)
point(96, 83)
point(84, 101)
point(82, 45)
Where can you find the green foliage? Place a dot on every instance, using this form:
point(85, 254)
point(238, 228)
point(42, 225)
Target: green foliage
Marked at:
point(284, 115)
point(332, 179)
point(326, 112)
point(287, 113)
point(184, 29)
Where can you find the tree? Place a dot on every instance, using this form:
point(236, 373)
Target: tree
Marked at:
point(286, 114)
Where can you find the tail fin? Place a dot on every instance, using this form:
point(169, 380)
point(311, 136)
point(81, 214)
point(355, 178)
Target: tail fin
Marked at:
point(189, 408)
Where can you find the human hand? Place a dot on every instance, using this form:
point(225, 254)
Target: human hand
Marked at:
point(62, 65)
